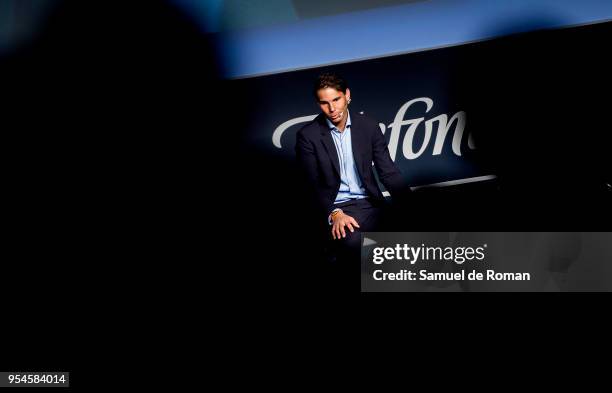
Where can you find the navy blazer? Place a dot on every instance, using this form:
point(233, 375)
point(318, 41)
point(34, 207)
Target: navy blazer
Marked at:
point(318, 159)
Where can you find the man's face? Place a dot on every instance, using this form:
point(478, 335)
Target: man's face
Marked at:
point(334, 104)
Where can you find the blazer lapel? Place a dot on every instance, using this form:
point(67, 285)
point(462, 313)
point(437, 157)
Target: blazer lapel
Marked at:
point(359, 146)
point(329, 145)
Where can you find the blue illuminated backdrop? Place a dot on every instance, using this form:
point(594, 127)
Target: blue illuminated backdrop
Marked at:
point(262, 37)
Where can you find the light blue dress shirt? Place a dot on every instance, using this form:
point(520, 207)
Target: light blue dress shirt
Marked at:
point(350, 183)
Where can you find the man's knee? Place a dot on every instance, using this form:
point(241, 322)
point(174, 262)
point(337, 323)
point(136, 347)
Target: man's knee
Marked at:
point(351, 241)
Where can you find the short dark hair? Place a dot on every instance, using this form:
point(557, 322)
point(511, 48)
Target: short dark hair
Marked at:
point(329, 79)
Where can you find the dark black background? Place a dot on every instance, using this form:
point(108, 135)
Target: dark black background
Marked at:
point(106, 113)
point(115, 136)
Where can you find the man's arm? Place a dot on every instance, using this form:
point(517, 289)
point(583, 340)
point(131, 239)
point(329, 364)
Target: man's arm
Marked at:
point(388, 173)
point(307, 162)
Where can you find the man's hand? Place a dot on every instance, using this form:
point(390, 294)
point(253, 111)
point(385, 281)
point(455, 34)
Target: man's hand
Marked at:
point(342, 220)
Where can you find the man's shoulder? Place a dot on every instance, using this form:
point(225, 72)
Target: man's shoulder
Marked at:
point(312, 128)
point(360, 120)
